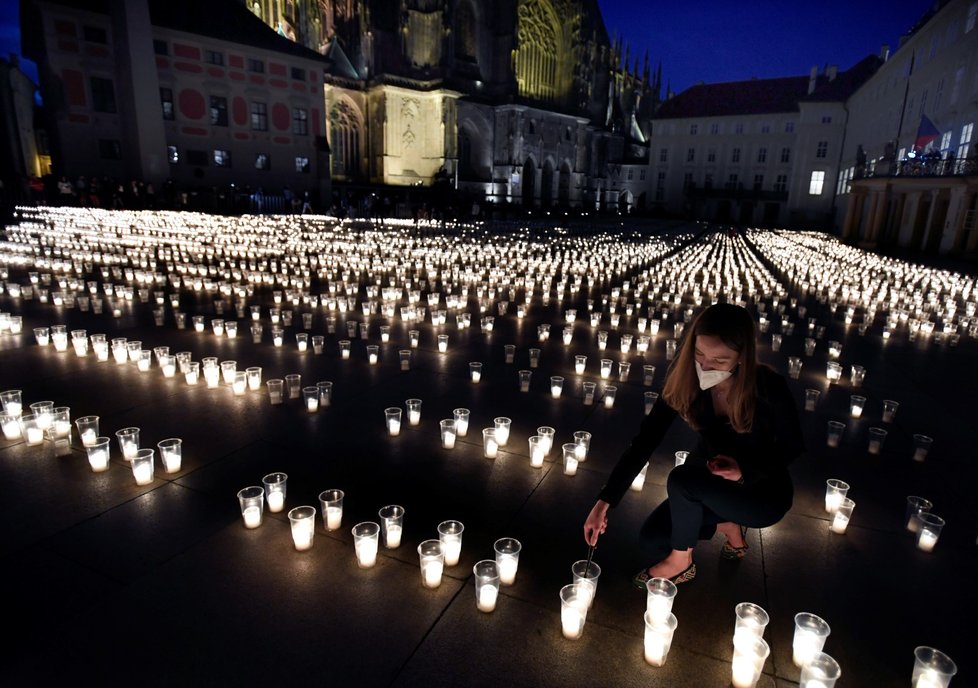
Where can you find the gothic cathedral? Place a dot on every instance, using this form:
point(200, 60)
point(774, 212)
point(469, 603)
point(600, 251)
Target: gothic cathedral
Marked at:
point(517, 101)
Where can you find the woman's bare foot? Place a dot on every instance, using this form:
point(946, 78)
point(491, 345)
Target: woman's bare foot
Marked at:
point(678, 561)
point(733, 533)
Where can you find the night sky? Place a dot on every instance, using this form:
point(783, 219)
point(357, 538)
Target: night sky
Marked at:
point(712, 41)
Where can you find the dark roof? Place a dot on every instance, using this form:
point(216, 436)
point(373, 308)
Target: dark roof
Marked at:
point(760, 96)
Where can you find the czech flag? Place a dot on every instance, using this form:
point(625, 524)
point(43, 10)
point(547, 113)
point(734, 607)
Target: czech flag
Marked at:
point(927, 134)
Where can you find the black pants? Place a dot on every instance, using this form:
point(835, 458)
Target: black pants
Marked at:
point(699, 500)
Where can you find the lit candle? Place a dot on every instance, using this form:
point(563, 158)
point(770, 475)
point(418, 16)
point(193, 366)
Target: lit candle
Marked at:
point(34, 435)
point(276, 501)
point(88, 438)
point(486, 601)
point(239, 386)
point(366, 552)
point(832, 501)
point(655, 649)
point(312, 404)
point(143, 473)
point(432, 572)
point(536, 456)
point(507, 569)
point(804, 646)
point(393, 538)
point(570, 466)
point(302, 534)
point(492, 448)
point(414, 416)
point(334, 517)
point(926, 540)
point(572, 621)
point(98, 459)
point(453, 550)
point(744, 672)
point(252, 516)
point(393, 427)
point(448, 439)
point(171, 460)
point(839, 523)
point(609, 401)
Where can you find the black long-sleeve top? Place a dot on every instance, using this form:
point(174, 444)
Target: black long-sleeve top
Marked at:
point(773, 442)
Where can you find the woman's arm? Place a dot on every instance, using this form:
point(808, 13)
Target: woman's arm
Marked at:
point(650, 434)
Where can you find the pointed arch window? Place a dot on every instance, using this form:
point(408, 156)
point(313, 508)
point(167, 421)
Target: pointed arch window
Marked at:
point(466, 34)
point(536, 60)
point(344, 133)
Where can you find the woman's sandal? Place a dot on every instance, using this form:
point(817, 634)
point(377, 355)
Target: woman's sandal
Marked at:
point(642, 577)
point(728, 551)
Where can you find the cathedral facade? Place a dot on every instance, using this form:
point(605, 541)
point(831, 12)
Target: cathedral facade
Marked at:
point(516, 101)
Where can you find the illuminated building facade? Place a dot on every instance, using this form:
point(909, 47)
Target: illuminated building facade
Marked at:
point(520, 101)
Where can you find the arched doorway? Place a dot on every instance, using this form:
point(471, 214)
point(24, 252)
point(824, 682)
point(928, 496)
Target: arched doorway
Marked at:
point(529, 182)
point(563, 186)
point(547, 185)
point(624, 202)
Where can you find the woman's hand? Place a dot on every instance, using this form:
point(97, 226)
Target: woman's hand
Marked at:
point(596, 523)
point(725, 466)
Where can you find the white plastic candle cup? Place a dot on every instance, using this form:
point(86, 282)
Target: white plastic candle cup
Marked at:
point(546, 434)
point(302, 343)
point(833, 372)
point(447, 431)
point(450, 535)
point(324, 392)
point(44, 413)
point(916, 507)
point(589, 389)
point(605, 368)
point(413, 411)
point(502, 425)
point(42, 335)
point(536, 451)
point(570, 458)
point(835, 492)
point(922, 445)
point(649, 399)
point(275, 489)
point(461, 421)
point(794, 367)
point(843, 514)
point(252, 502)
point(822, 672)
point(490, 445)
point(834, 434)
point(143, 465)
point(432, 559)
point(671, 349)
point(293, 384)
point(585, 575)
point(638, 482)
point(171, 454)
point(310, 399)
point(811, 399)
point(648, 375)
point(391, 525)
point(776, 342)
point(99, 453)
point(486, 576)
point(751, 621)
point(275, 391)
point(217, 325)
point(507, 559)
point(524, 377)
point(856, 405)
point(750, 653)
point(191, 372)
point(373, 354)
point(303, 521)
point(239, 384)
point(10, 425)
point(658, 638)
point(573, 611)
point(608, 395)
point(930, 531)
point(128, 442)
point(344, 345)
point(660, 595)
point(253, 376)
point(932, 668)
point(331, 502)
point(876, 438)
point(12, 402)
point(318, 343)
point(365, 541)
point(889, 410)
point(256, 333)
point(534, 358)
point(475, 371)
point(87, 429)
point(582, 438)
point(858, 375)
point(810, 634)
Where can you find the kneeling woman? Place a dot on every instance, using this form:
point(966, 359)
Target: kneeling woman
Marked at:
point(738, 476)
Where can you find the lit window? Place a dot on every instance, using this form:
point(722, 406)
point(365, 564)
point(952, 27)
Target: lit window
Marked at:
point(262, 162)
point(300, 122)
point(172, 154)
point(302, 164)
point(166, 100)
point(259, 116)
point(815, 185)
point(219, 111)
point(222, 158)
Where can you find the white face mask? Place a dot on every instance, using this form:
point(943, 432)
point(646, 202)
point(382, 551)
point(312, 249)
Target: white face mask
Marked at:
point(711, 378)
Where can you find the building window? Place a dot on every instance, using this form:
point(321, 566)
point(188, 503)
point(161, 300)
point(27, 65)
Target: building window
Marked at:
point(711, 154)
point(160, 47)
point(166, 100)
point(660, 187)
point(964, 143)
point(300, 121)
point(172, 155)
point(785, 155)
point(219, 111)
point(694, 129)
point(222, 158)
point(822, 149)
point(732, 181)
point(630, 173)
point(95, 34)
point(103, 95)
point(815, 185)
point(109, 149)
point(259, 116)
point(214, 57)
point(781, 183)
point(708, 180)
point(762, 155)
point(663, 155)
point(758, 182)
point(641, 174)
point(690, 154)
point(735, 157)
point(262, 162)
point(687, 181)
point(298, 74)
point(826, 119)
point(946, 141)
point(256, 66)
point(197, 158)
point(302, 164)
point(789, 127)
point(715, 128)
point(765, 128)
point(739, 128)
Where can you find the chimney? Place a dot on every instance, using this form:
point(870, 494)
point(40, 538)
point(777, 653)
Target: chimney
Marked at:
point(832, 71)
point(812, 79)
point(885, 52)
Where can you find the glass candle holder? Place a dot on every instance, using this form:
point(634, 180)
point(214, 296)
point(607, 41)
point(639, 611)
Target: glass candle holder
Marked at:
point(275, 488)
point(171, 454)
point(143, 465)
point(252, 503)
point(413, 411)
point(276, 391)
point(404, 356)
point(834, 434)
point(794, 367)
point(392, 418)
point(608, 395)
point(856, 405)
point(843, 514)
point(293, 385)
point(660, 595)
point(749, 656)
point(509, 353)
point(822, 672)
point(391, 525)
point(365, 543)
point(835, 492)
point(750, 621)
point(87, 429)
point(932, 668)
point(128, 439)
point(658, 638)
point(929, 532)
point(585, 575)
point(507, 559)
point(556, 386)
point(534, 355)
point(889, 410)
point(331, 503)
point(310, 399)
point(546, 434)
point(475, 372)
point(857, 375)
point(253, 375)
point(811, 632)
point(99, 452)
point(450, 535)
point(573, 611)
point(461, 416)
point(432, 559)
point(877, 436)
point(570, 458)
point(922, 445)
point(916, 507)
point(303, 522)
point(536, 451)
point(490, 445)
point(811, 399)
point(486, 578)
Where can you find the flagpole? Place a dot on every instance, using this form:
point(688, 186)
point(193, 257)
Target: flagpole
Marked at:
point(903, 108)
